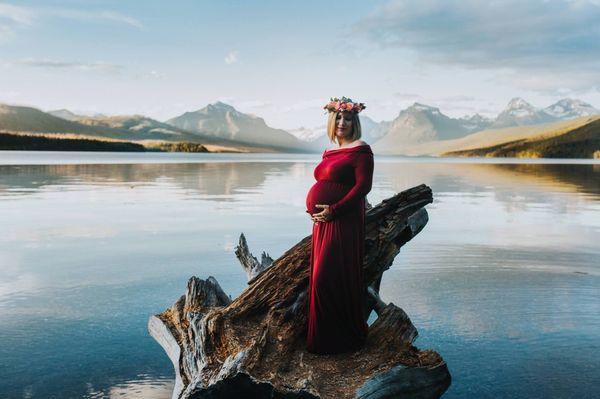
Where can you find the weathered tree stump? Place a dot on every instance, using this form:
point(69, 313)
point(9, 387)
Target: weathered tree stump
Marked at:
point(254, 346)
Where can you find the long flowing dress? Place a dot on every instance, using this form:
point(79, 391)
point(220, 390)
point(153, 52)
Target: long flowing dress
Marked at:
point(336, 292)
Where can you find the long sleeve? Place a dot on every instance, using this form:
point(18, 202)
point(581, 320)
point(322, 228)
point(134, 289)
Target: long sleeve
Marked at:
point(363, 176)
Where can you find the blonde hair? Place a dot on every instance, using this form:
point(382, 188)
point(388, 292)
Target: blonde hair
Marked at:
point(356, 132)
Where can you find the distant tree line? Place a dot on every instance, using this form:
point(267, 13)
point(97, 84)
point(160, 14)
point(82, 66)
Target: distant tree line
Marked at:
point(182, 146)
point(22, 142)
point(19, 142)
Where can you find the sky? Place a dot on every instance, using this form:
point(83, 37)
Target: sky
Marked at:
point(283, 60)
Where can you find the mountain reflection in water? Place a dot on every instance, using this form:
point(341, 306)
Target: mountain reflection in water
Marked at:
point(504, 280)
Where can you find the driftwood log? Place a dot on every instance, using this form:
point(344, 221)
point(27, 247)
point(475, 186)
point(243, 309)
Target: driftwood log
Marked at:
point(254, 346)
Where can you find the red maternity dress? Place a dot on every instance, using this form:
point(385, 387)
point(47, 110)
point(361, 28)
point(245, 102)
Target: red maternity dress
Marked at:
point(336, 292)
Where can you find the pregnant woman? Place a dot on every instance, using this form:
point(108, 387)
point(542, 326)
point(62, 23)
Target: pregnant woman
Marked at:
point(336, 203)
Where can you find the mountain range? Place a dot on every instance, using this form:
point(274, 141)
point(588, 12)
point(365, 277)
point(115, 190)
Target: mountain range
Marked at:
point(416, 126)
point(223, 121)
point(420, 124)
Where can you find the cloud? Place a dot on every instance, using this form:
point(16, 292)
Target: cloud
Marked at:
point(5, 33)
point(14, 17)
point(227, 99)
point(452, 105)
point(303, 105)
point(11, 18)
point(248, 106)
point(10, 95)
point(103, 67)
point(254, 104)
point(152, 74)
point(406, 96)
point(156, 74)
point(94, 15)
point(99, 67)
point(557, 38)
point(232, 57)
point(459, 97)
point(551, 82)
point(16, 14)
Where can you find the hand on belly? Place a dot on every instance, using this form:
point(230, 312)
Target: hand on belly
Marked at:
point(324, 192)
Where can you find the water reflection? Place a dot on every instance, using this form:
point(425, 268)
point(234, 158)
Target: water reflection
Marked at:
point(473, 178)
point(212, 180)
point(225, 178)
point(503, 281)
point(145, 387)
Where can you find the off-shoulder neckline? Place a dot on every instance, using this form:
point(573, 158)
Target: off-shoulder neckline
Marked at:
point(345, 148)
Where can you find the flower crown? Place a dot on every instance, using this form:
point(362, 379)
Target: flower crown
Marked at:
point(343, 104)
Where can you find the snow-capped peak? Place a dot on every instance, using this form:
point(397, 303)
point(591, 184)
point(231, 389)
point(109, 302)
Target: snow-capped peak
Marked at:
point(475, 122)
point(220, 105)
point(309, 134)
point(518, 106)
point(424, 108)
point(475, 117)
point(568, 108)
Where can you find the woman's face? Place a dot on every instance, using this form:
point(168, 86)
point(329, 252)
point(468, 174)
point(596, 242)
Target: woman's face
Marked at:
point(343, 124)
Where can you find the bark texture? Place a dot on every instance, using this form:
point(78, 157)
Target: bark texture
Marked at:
point(254, 345)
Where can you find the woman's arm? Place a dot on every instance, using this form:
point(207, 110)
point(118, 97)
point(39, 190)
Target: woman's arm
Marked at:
point(363, 176)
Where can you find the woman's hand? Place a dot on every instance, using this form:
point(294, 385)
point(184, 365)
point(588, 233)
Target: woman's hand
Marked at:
point(324, 215)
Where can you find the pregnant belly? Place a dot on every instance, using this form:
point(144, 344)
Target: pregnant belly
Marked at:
point(325, 192)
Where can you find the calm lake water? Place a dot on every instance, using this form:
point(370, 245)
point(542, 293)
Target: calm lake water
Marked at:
point(504, 281)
